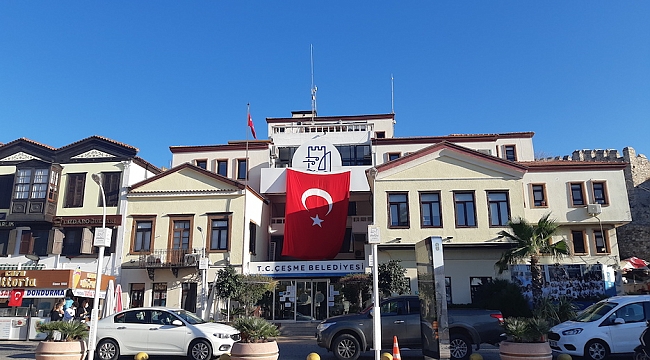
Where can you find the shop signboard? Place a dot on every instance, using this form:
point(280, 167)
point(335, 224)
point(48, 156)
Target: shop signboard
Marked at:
point(49, 283)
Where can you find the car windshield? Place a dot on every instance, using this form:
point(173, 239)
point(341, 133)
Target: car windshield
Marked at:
point(189, 317)
point(596, 311)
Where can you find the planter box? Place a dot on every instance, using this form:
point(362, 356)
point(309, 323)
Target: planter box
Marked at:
point(61, 350)
point(519, 351)
point(257, 351)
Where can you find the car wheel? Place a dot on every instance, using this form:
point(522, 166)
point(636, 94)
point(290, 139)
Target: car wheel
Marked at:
point(200, 350)
point(596, 350)
point(640, 355)
point(346, 347)
point(108, 349)
point(460, 347)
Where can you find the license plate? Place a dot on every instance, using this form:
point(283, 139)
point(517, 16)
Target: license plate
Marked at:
point(552, 343)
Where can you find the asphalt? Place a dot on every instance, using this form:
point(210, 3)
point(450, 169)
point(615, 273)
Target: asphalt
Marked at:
point(291, 348)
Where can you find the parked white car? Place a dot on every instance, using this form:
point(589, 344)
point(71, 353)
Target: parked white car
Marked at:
point(611, 326)
point(162, 331)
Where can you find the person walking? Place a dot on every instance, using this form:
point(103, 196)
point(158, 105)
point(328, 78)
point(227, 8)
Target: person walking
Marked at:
point(82, 311)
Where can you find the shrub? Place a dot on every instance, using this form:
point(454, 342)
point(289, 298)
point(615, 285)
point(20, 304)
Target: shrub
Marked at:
point(70, 331)
point(526, 330)
point(255, 329)
point(504, 296)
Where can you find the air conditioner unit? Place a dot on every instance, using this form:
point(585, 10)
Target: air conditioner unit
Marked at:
point(192, 259)
point(594, 209)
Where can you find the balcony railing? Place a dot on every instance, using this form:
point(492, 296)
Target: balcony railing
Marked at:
point(171, 258)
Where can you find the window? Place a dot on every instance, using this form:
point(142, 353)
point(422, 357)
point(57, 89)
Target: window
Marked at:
point(498, 209)
point(181, 234)
point(74, 196)
point(393, 156)
point(52, 192)
point(285, 154)
point(380, 134)
point(393, 307)
point(539, 195)
point(348, 242)
point(601, 242)
point(72, 242)
point(135, 317)
point(34, 242)
point(161, 317)
point(630, 313)
point(40, 184)
point(241, 169)
point(142, 235)
point(188, 298)
point(475, 283)
point(577, 194)
point(222, 167)
point(430, 210)
point(219, 233)
point(252, 237)
point(355, 155)
point(23, 179)
point(4, 242)
point(203, 164)
point(600, 192)
point(136, 295)
point(6, 184)
point(398, 210)
point(111, 185)
point(578, 240)
point(159, 294)
point(465, 209)
point(510, 152)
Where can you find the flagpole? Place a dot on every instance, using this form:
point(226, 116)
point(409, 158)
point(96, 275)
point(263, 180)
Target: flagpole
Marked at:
point(248, 117)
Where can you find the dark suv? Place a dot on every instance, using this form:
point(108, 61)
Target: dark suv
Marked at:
point(349, 335)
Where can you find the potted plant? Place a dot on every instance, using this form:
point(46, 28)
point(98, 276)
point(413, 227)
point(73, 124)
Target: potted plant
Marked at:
point(257, 339)
point(64, 340)
point(526, 338)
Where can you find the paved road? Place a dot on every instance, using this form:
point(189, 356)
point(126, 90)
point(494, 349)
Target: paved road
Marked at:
point(291, 348)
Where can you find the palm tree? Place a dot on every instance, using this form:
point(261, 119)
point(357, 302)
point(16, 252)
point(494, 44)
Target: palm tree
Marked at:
point(531, 242)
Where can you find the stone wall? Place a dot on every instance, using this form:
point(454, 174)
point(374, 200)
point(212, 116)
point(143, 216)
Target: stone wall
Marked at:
point(634, 238)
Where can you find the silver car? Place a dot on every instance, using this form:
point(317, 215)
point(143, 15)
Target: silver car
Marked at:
point(162, 331)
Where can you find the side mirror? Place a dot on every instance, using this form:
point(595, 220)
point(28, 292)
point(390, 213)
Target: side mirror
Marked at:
point(177, 323)
point(371, 312)
point(619, 321)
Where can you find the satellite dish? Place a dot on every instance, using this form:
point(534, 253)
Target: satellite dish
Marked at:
point(33, 257)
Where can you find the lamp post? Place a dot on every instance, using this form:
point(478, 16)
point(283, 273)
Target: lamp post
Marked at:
point(102, 237)
point(204, 278)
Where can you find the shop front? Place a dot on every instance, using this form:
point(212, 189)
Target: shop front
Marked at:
point(27, 296)
point(306, 290)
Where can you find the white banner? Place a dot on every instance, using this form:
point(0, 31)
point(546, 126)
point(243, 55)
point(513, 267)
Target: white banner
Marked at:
point(302, 268)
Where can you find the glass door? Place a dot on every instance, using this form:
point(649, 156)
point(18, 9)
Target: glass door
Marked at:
point(320, 303)
point(284, 301)
point(304, 300)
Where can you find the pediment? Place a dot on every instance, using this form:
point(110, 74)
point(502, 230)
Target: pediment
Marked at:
point(186, 178)
point(20, 156)
point(93, 154)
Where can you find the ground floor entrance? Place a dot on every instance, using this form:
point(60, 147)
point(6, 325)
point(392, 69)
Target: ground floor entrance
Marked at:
point(306, 300)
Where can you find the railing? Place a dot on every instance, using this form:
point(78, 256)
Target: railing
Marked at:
point(171, 258)
point(307, 127)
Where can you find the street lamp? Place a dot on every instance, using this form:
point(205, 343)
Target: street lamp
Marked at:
point(102, 239)
point(204, 277)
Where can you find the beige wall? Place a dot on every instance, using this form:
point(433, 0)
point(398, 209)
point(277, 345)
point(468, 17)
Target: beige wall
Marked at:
point(446, 175)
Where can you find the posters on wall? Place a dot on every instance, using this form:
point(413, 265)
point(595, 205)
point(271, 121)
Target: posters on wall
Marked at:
point(576, 281)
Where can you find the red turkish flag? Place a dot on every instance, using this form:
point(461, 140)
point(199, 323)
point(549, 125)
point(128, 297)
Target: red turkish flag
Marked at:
point(16, 297)
point(316, 213)
point(250, 125)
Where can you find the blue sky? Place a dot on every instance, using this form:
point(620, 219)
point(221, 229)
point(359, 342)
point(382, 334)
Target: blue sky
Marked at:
point(158, 73)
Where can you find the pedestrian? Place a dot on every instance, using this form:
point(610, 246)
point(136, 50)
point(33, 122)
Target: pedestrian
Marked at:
point(82, 311)
point(69, 299)
point(57, 311)
point(71, 312)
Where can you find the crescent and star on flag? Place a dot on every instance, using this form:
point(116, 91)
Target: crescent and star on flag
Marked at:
point(322, 194)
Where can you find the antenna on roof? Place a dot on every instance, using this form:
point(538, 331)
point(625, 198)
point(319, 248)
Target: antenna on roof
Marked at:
point(313, 87)
point(392, 95)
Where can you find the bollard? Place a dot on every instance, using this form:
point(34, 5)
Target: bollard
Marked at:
point(313, 356)
point(141, 356)
point(476, 356)
point(564, 357)
point(224, 357)
point(386, 356)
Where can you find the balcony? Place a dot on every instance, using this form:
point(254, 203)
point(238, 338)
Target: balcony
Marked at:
point(173, 259)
